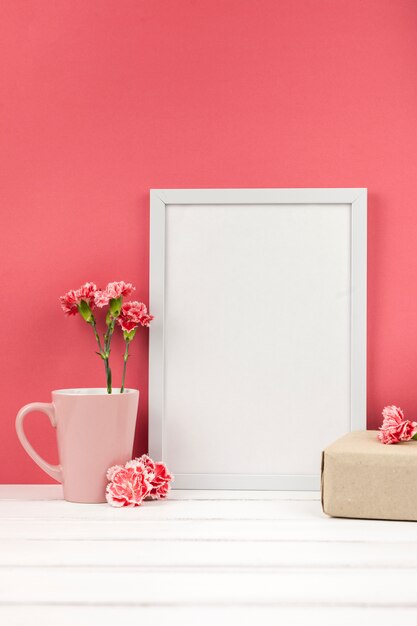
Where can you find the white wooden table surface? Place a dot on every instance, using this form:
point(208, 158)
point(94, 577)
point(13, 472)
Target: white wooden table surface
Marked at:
point(201, 557)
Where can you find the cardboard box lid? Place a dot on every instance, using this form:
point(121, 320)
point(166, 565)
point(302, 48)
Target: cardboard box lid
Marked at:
point(363, 478)
point(366, 442)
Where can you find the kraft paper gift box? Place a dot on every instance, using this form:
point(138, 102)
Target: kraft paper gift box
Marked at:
point(364, 478)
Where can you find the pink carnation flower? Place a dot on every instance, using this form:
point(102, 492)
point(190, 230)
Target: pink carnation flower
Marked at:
point(71, 300)
point(127, 487)
point(161, 481)
point(132, 315)
point(112, 292)
point(140, 466)
point(140, 478)
point(394, 427)
point(160, 477)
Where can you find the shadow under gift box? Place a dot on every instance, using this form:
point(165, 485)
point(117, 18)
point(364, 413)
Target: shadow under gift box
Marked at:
point(363, 478)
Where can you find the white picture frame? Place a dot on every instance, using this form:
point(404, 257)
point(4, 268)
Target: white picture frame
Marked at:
point(246, 390)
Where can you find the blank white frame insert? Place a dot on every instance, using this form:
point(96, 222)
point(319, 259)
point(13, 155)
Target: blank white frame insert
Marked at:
point(258, 347)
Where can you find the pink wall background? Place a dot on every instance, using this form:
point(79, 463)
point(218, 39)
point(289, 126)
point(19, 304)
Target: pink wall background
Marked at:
point(102, 100)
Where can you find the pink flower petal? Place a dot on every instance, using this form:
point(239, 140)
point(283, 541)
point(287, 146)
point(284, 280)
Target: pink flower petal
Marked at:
point(395, 427)
point(134, 314)
point(71, 300)
point(138, 479)
point(112, 292)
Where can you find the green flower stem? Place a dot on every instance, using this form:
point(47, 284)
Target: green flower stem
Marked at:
point(107, 341)
point(109, 333)
point(93, 324)
point(106, 361)
point(125, 358)
point(108, 372)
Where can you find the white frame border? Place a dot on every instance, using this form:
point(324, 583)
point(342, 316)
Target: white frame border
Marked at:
point(159, 199)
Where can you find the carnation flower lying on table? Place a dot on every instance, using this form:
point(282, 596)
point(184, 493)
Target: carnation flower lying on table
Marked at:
point(395, 427)
point(138, 480)
point(127, 315)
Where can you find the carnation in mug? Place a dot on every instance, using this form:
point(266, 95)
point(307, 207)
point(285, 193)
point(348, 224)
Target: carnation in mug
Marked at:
point(95, 430)
point(128, 316)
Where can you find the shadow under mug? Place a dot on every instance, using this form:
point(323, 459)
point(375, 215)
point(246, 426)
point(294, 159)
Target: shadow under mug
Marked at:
point(95, 430)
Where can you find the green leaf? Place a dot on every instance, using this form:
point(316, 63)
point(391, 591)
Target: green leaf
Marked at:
point(414, 437)
point(128, 336)
point(85, 311)
point(115, 306)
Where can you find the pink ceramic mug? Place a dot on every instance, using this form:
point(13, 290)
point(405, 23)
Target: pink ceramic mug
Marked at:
point(95, 430)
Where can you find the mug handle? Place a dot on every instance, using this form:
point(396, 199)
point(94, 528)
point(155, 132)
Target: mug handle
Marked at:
point(53, 470)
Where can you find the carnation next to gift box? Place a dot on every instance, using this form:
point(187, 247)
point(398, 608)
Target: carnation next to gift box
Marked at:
point(364, 479)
